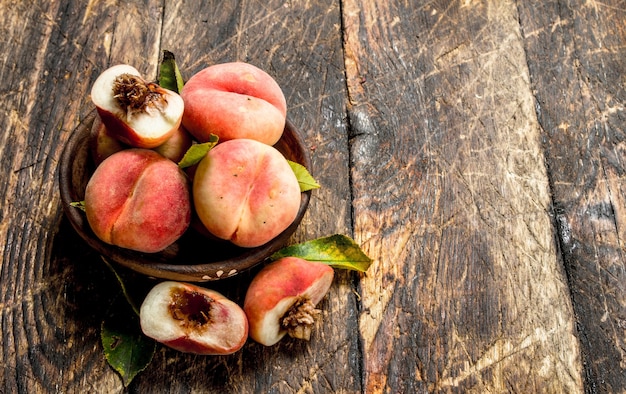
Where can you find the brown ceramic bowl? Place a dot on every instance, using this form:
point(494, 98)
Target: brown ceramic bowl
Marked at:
point(194, 257)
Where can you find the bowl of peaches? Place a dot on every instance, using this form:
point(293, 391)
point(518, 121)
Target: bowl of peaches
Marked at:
point(196, 184)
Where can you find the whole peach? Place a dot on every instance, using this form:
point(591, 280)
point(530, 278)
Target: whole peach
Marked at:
point(176, 146)
point(234, 100)
point(102, 144)
point(246, 192)
point(139, 200)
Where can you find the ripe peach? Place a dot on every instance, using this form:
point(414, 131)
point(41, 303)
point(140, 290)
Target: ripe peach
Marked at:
point(234, 100)
point(193, 319)
point(139, 113)
point(281, 299)
point(139, 200)
point(176, 146)
point(102, 144)
point(246, 192)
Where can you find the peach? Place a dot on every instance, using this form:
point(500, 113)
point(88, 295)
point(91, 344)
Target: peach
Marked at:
point(137, 112)
point(176, 146)
point(234, 100)
point(102, 144)
point(245, 191)
point(139, 200)
point(193, 319)
point(281, 299)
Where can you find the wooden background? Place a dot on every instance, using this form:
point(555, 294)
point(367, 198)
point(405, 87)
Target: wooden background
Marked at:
point(475, 149)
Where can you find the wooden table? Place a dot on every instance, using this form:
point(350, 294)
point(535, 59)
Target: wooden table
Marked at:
point(475, 150)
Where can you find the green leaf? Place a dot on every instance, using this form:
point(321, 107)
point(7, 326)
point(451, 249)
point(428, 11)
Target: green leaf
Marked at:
point(305, 180)
point(127, 295)
point(338, 251)
point(197, 152)
point(127, 350)
point(169, 74)
point(78, 204)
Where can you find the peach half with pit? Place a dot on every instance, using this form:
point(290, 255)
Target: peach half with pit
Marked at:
point(139, 113)
point(139, 200)
point(193, 319)
point(234, 100)
point(282, 299)
point(244, 191)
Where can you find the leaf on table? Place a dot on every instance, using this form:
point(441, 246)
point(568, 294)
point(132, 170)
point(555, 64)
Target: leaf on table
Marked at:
point(305, 179)
point(120, 281)
point(127, 350)
point(197, 152)
point(169, 74)
point(78, 204)
point(338, 251)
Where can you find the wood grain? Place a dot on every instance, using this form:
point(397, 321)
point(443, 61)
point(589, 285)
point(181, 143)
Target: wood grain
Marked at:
point(585, 130)
point(50, 330)
point(474, 148)
point(452, 199)
point(301, 48)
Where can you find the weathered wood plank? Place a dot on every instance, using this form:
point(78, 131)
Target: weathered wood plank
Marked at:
point(52, 298)
point(300, 46)
point(451, 197)
point(58, 285)
point(444, 157)
point(577, 58)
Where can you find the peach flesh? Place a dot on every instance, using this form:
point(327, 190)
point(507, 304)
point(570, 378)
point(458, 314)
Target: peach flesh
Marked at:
point(139, 200)
point(136, 112)
point(193, 319)
point(234, 100)
point(281, 299)
point(103, 145)
point(245, 191)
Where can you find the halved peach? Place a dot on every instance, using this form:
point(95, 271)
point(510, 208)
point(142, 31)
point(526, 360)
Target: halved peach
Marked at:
point(281, 299)
point(137, 112)
point(193, 319)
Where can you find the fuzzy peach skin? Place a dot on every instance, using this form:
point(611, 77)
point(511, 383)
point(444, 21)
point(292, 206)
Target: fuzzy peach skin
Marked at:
point(176, 146)
point(139, 200)
point(276, 288)
point(193, 319)
point(101, 143)
point(234, 100)
point(244, 191)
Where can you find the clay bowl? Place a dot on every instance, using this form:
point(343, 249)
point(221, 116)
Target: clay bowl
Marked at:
point(194, 257)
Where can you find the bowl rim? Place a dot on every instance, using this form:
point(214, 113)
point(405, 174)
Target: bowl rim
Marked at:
point(145, 263)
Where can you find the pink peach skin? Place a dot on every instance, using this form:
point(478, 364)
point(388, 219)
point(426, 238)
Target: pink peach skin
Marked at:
point(101, 143)
point(277, 288)
point(176, 146)
point(139, 200)
point(234, 100)
point(244, 191)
